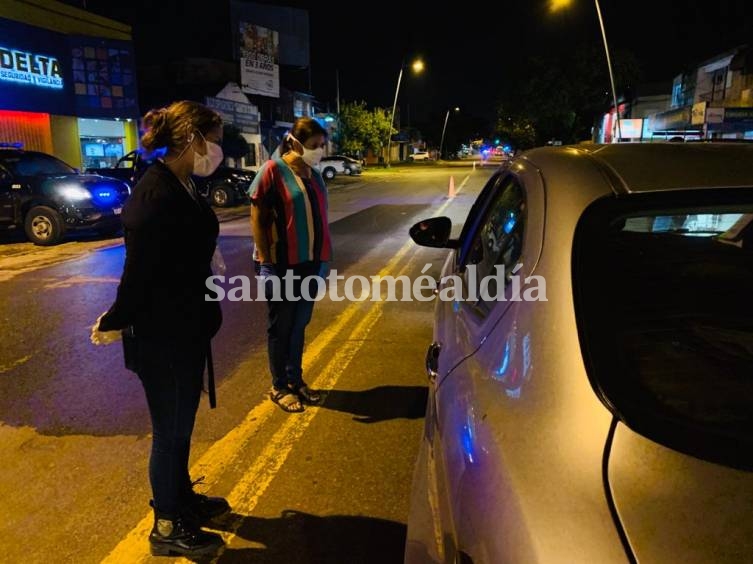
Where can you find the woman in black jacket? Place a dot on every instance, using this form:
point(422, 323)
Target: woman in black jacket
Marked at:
point(170, 238)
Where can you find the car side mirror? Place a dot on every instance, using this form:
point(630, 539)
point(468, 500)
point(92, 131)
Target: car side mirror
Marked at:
point(434, 232)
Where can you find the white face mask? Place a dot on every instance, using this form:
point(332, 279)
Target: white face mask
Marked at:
point(310, 156)
point(205, 165)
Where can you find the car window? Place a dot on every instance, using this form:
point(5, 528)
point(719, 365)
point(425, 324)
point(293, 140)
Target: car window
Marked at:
point(32, 164)
point(498, 240)
point(663, 304)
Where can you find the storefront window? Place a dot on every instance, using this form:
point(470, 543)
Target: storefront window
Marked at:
point(102, 142)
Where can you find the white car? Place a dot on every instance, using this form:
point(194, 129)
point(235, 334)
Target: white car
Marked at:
point(613, 422)
point(420, 156)
point(339, 164)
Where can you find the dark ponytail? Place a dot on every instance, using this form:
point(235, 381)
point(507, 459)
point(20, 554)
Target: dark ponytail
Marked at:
point(303, 129)
point(172, 127)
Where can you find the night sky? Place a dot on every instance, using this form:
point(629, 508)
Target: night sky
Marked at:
point(473, 52)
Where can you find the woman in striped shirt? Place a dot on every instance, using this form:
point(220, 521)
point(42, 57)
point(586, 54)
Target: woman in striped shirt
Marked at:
point(291, 236)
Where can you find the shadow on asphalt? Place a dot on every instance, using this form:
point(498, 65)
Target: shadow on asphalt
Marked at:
point(297, 537)
point(379, 404)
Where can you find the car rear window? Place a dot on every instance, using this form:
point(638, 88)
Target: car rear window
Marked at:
point(665, 314)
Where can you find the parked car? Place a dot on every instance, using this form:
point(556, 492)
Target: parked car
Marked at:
point(129, 168)
point(48, 198)
point(226, 187)
point(339, 164)
point(614, 421)
point(419, 156)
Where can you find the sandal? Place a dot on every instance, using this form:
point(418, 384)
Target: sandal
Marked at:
point(287, 400)
point(305, 393)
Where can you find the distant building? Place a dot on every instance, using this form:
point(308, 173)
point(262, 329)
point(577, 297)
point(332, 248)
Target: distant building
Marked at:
point(259, 70)
point(713, 100)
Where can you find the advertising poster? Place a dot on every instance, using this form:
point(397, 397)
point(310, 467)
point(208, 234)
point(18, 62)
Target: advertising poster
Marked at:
point(260, 64)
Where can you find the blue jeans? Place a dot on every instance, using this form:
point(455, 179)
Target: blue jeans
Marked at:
point(286, 329)
point(172, 375)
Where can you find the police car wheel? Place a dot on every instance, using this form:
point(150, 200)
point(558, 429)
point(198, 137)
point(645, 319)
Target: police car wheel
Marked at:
point(221, 197)
point(44, 226)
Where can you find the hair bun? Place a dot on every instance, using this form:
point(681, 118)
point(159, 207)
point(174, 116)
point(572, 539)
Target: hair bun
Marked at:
point(156, 130)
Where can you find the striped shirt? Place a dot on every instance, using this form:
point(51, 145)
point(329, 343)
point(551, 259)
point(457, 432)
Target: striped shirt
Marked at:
point(299, 231)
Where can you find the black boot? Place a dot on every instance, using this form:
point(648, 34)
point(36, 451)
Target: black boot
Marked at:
point(180, 537)
point(201, 508)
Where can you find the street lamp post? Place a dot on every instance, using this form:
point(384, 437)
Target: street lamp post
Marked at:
point(444, 128)
point(556, 5)
point(609, 66)
point(417, 66)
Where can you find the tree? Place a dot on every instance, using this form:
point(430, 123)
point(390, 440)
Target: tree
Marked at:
point(515, 130)
point(564, 92)
point(380, 129)
point(234, 145)
point(361, 129)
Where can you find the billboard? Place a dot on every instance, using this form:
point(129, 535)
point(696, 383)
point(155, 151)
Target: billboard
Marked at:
point(260, 60)
point(291, 24)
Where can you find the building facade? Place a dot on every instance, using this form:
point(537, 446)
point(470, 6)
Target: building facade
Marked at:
point(712, 100)
point(67, 83)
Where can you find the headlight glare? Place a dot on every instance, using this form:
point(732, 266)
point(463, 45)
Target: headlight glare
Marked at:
point(73, 192)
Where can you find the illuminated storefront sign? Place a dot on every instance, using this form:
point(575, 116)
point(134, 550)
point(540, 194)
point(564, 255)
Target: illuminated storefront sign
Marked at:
point(30, 68)
point(45, 71)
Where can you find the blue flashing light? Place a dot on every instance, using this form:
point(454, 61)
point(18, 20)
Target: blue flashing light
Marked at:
point(158, 153)
point(16, 145)
point(467, 438)
point(329, 119)
point(510, 224)
point(104, 196)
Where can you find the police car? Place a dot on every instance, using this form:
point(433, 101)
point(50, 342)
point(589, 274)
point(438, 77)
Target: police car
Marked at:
point(48, 198)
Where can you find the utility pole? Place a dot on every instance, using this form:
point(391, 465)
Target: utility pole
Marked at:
point(337, 84)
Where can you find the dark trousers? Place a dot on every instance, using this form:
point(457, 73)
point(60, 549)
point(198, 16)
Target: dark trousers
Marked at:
point(172, 376)
point(286, 328)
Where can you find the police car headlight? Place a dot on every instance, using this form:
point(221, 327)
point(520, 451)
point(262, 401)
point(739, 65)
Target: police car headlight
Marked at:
point(73, 192)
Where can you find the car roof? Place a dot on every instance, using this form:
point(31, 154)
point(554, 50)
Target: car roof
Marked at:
point(652, 167)
point(648, 167)
point(9, 152)
point(20, 152)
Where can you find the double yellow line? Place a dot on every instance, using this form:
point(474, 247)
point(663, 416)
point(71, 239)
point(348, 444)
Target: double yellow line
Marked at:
point(222, 454)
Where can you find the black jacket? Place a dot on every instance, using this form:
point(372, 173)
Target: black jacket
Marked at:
point(170, 238)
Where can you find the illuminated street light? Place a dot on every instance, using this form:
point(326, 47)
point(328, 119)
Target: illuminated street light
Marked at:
point(557, 5)
point(417, 66)
point(446, 117)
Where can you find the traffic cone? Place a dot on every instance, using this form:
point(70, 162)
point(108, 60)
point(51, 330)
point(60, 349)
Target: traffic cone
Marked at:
point(451, 190)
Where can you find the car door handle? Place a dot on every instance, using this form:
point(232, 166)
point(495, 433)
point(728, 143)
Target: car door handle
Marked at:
point(432, 361)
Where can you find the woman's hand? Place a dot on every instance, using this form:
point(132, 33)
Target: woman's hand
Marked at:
point(98, 337)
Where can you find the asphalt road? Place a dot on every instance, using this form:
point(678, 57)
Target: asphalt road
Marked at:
point(329, 485)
